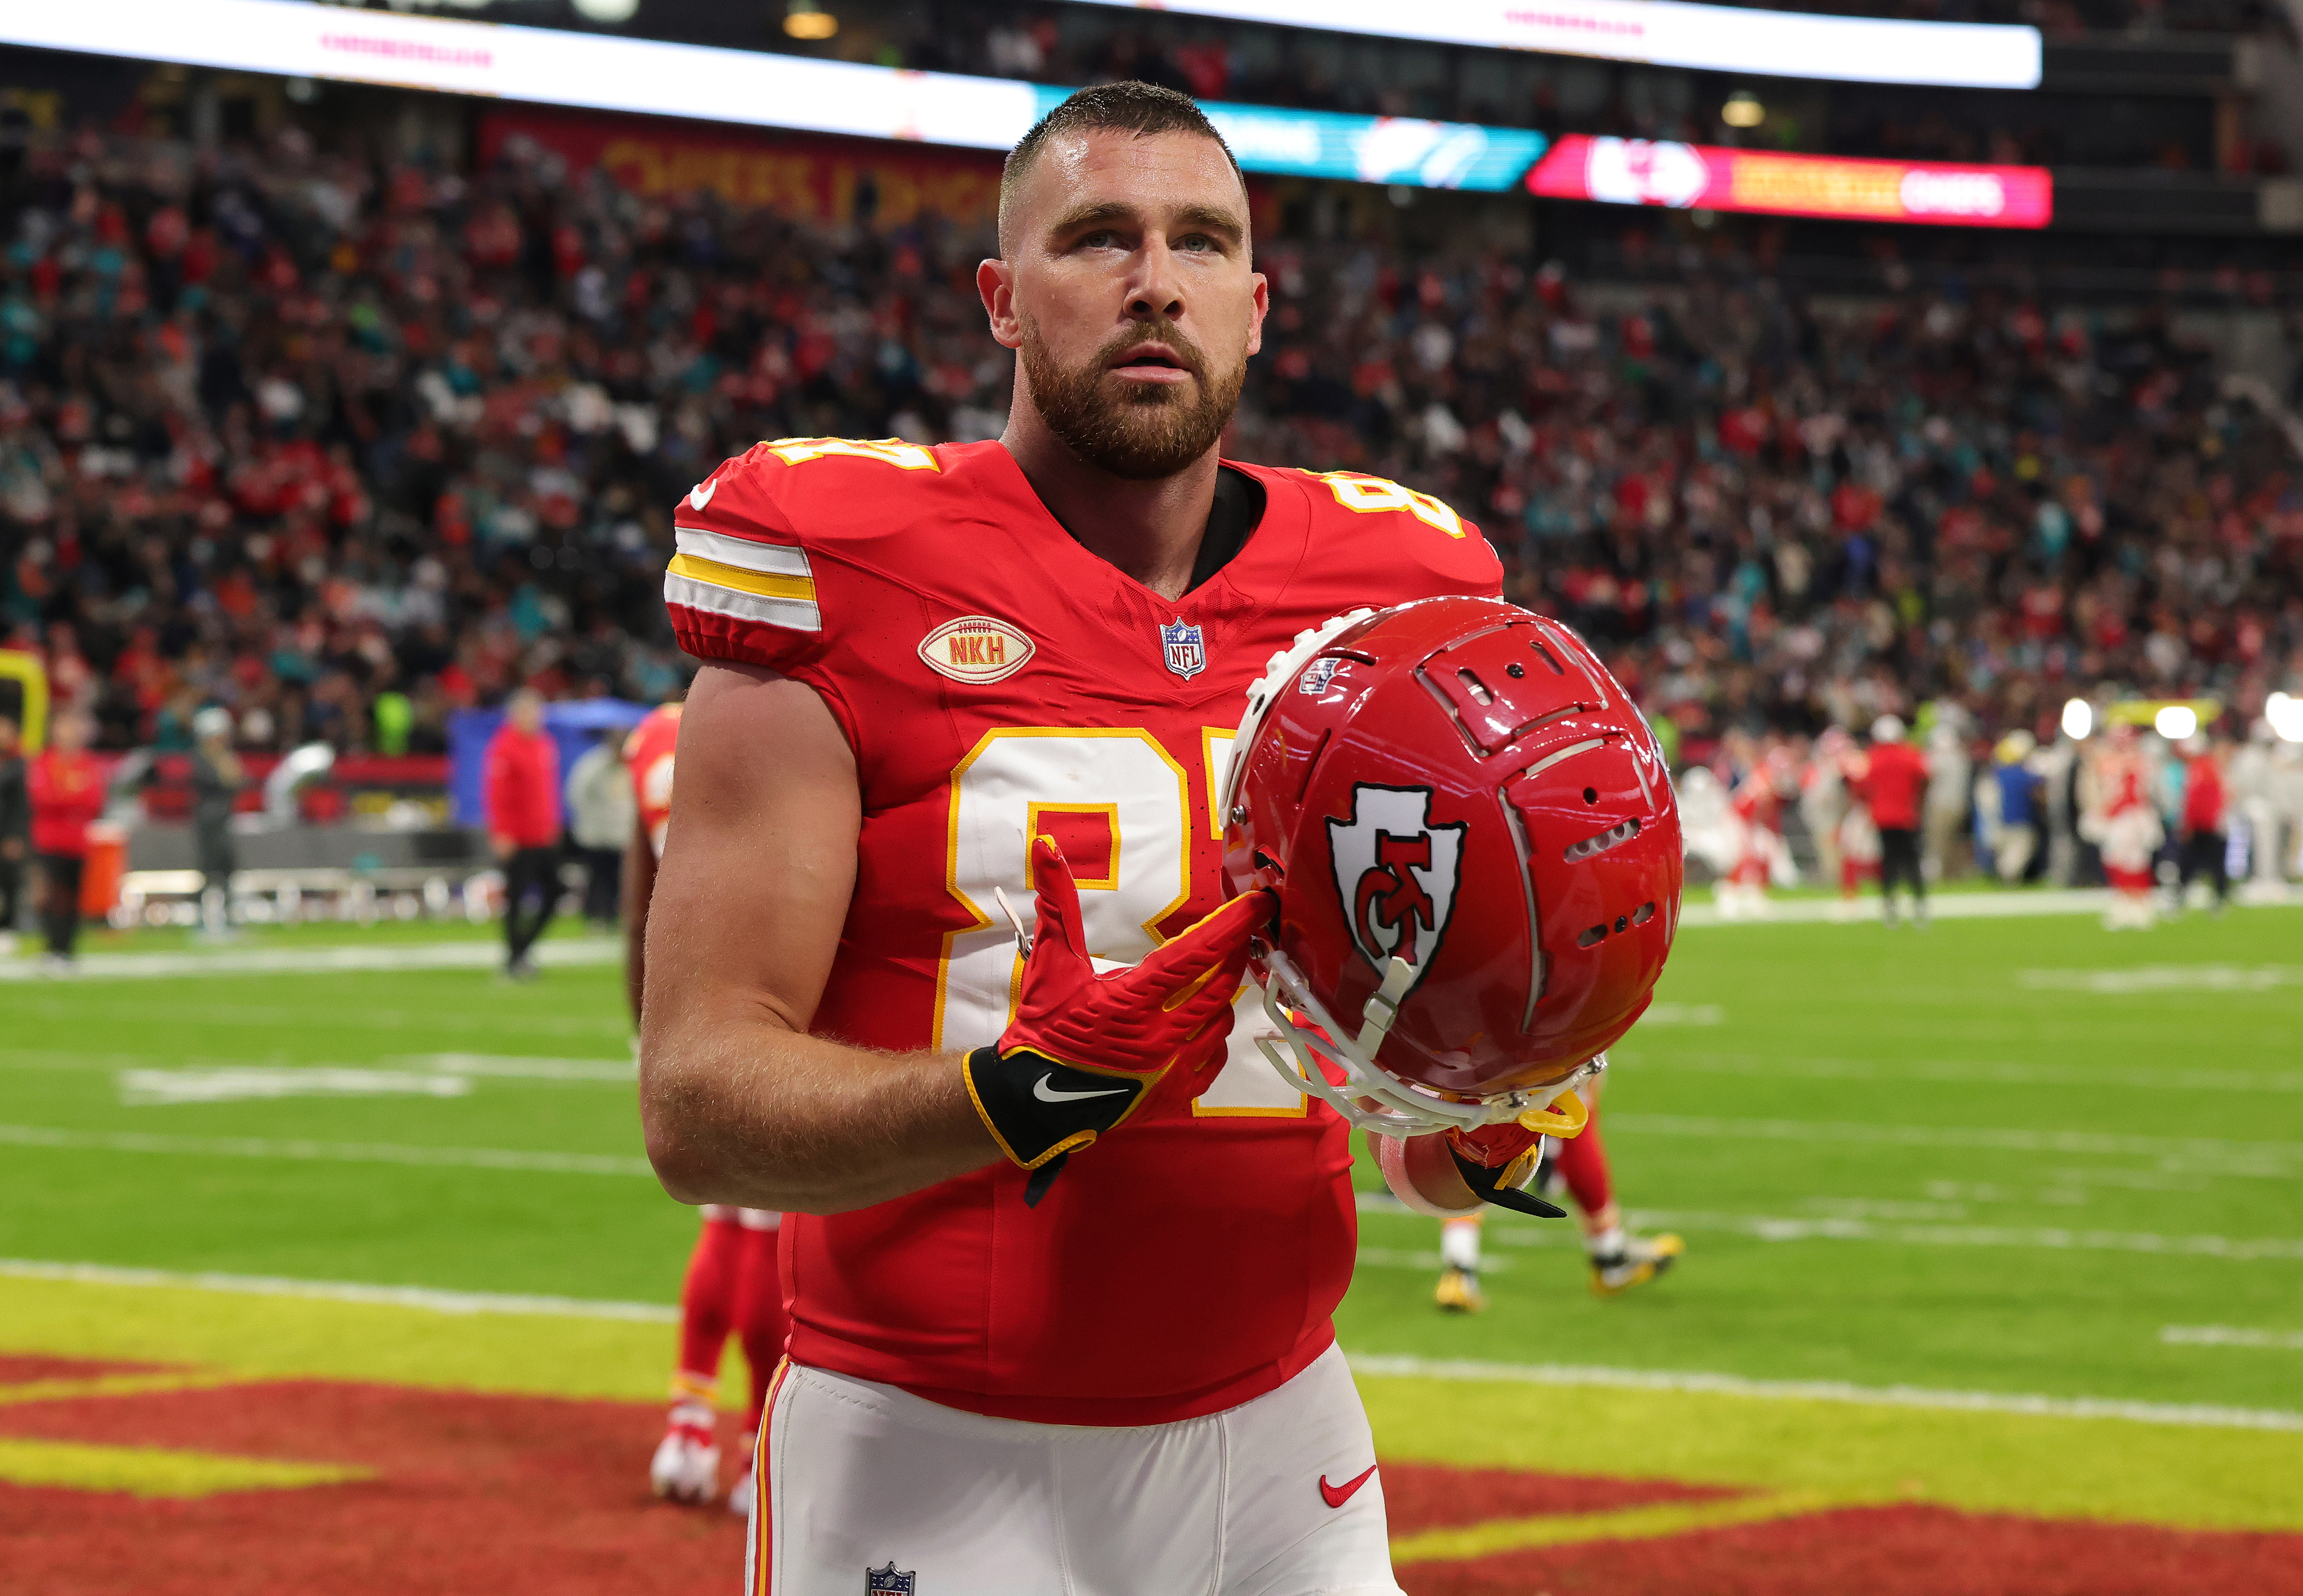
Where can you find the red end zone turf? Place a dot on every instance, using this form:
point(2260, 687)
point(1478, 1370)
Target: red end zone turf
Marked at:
point(1910, 1551)
point(545, 1497)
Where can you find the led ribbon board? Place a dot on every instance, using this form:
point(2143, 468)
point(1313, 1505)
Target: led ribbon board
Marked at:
point(1727, 38)
point(1642, 171)
point(602, 72)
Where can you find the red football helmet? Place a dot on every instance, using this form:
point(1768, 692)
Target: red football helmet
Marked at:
point(1472, 835)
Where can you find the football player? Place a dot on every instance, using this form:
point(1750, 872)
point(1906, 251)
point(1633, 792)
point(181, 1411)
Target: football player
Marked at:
point(1619, 1259)
point(1060, 1253)
point(731, 1284)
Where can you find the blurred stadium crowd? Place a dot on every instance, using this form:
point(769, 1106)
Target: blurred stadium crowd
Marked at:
point(342, 444)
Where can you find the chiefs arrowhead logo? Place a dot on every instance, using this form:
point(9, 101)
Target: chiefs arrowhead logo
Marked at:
point(1397, 874)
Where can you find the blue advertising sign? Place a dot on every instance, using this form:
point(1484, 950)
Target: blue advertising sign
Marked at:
point(1369, 150)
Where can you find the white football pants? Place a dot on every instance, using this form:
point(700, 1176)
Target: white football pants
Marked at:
point(860, 1478)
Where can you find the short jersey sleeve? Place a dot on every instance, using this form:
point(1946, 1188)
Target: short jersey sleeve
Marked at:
point(741, 586)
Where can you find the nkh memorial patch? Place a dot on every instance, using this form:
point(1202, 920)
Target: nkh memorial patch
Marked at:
point(1186, 652)
point(887, 1582)
point(976, 648)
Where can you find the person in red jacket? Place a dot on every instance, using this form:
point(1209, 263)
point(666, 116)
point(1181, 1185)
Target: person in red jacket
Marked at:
point(1893, 783)
point(523, 806)
point(66, 786)
point(2205, 801)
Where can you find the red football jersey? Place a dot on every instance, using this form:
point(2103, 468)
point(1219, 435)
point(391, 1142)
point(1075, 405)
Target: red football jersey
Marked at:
point(648, 754)
point(1894, 783)
point(997, 682)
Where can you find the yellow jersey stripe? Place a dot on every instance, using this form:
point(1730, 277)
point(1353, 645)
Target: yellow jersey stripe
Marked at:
point(695, 567)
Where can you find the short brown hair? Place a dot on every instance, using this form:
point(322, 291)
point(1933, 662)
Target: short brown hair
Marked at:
point(1143, 109)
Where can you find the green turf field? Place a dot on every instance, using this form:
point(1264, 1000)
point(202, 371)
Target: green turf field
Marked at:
point(2002, 1156)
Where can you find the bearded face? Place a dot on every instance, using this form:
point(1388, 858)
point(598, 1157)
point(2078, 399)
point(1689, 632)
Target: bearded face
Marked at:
point(1136, 430)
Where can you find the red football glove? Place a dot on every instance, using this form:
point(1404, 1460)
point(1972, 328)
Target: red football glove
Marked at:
point(1084, 1050)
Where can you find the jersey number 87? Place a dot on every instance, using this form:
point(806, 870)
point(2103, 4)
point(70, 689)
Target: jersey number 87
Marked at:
point(1121, 805)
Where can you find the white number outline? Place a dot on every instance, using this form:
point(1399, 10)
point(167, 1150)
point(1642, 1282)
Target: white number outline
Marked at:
point(1214, 740)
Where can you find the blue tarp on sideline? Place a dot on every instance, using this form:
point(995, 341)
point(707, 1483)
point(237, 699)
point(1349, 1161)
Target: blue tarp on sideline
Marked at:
point(574, 726)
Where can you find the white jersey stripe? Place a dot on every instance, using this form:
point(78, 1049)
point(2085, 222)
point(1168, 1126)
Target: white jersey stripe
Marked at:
point(772, 559)
point(713, 600)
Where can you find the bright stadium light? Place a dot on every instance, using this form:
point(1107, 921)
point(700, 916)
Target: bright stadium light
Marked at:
point(806, 19)
point(1743, 109)
point(2285, 714)
point(2175, 722)
point(607, 10)
point(2078, 719)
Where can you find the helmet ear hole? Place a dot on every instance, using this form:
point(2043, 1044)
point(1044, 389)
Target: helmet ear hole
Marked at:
point(1590, 795)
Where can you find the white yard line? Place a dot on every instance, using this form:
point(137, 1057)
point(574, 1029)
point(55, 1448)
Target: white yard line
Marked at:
point(347, 1152)
point(2238, 1158)
point(312, 961)
point(389, 1297)
point(2191, 1415)
point(270, 1082)
point(2153, 978)
point(2240, 1249)
point(1427, 1263)
point(1998, 1074)
point(2231, 1335)
point(507, 1067)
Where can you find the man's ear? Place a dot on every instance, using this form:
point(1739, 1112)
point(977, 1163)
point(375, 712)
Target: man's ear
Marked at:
point(995, 283)
point(1262, 308)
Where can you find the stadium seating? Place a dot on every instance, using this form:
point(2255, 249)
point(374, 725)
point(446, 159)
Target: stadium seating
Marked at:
point(292, 429)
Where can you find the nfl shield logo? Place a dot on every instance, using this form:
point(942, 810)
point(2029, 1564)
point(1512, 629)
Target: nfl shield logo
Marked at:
point(887, 1582)
point(1187, 654)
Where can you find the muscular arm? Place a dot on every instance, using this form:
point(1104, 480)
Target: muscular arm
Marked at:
point(740, 1103)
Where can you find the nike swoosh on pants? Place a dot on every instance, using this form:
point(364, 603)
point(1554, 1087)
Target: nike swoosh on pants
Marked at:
point(1336, 1496)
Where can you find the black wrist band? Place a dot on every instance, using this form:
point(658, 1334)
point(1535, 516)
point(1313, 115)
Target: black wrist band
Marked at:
point(1039, 1109)
point(1485, 1184)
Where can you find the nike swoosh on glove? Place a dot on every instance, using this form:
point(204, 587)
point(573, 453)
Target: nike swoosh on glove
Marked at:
point(1084, 1050)
point(1496, 1161)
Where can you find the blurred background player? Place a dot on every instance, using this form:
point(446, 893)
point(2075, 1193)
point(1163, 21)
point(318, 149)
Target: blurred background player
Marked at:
point(2205, 827)
point(1949, 794)
point(67, 791)
point(2011, 802)
point(2120, 819)
point(217, 779)
point(1619, 1260)
point(15, 833)
point(599, 820)
point(1824, 803)
point(1892, 780)
point(1761, 856)
point(523, 805)
point(731, 1283)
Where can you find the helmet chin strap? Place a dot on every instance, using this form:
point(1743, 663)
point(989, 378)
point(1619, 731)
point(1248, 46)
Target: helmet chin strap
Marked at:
point(1401, 1109)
